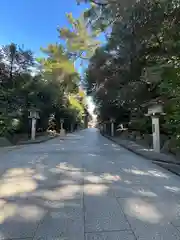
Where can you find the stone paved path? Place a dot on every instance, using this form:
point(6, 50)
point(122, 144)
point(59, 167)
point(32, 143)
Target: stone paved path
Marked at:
point(86, 188)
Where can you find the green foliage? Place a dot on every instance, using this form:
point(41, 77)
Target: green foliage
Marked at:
point(21, 89)
point(80, 42)
point(76, 107)
point(59, 67)
point(170, 87)
point(57, 60)
point(140, 61)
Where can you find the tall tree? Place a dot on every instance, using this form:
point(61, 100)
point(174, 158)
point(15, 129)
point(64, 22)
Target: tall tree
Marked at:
point(80, 41)
point(129, 70)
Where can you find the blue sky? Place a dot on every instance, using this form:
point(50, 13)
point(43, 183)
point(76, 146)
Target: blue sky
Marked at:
point(34, 22)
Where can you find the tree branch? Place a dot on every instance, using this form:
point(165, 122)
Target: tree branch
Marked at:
point(99, 3)
point(103, 3)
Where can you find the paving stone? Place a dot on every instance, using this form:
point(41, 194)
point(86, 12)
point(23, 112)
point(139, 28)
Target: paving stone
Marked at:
point(41, 188)
point(65, 222)
point(19, 219)
point(60, 193)
point(178, 228)
point(150, 218)
point(116, 235)
point(167, 191)
point(99, 166)
point(157, 232)
point(149, 210)
point(148, 178)
point(176, 219)
point(101, 178)
point(102, 213)
point(127, 191)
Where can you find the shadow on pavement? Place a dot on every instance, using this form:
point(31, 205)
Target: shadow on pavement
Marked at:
point(95, 189)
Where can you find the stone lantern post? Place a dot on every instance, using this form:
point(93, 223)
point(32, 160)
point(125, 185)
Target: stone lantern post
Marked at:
point(112, 127)
point(104, 127)
point(152, 74)
point(62, 130)
point(154, 111)
point(33, 115)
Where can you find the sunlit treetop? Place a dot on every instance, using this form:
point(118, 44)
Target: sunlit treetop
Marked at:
point(57, 58)
point(80, 41)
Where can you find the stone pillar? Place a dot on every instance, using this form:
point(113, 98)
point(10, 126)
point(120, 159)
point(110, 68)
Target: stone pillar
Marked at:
point(72, 127)
point(62, 130)
point(104, 127)
point(156, 134)
point(112, 129)
point(33, 129)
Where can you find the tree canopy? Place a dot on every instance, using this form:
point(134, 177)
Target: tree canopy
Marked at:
point(45, 84)
point(138, 63)
point(140, 60)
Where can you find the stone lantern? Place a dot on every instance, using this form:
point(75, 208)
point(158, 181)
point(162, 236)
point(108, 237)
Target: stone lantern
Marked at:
point(112, 127)
point(155, 109)
point(152, 74)
point(62, 130)
point(85, 116)
point(33, 115)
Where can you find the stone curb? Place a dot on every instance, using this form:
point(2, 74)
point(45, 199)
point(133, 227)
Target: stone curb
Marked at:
point(43, 140)
point(36, 141)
